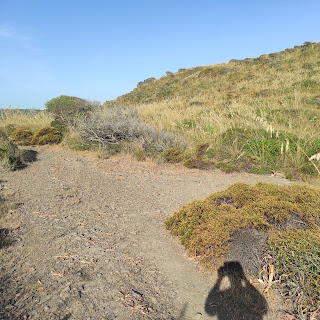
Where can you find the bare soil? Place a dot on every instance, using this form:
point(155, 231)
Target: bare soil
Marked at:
point(89, 240)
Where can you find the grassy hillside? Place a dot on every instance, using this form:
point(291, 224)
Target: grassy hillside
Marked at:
point(275, 95)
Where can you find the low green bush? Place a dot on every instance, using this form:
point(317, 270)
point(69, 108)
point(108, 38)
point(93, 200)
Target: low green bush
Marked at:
point(22, 136)
point(172, 155)
point(47, 135)
point(67, 110)
point(10, 155)
point(198, 158)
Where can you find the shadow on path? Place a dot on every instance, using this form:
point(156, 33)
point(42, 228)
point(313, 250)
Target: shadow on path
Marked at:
point(29, 155)
point(239, 301)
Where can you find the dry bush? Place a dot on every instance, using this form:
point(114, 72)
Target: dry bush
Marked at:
point(114, 125)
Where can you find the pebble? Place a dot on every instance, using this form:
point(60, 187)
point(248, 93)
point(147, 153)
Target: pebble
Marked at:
point(45, 299)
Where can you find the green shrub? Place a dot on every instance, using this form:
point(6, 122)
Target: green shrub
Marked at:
point(199, 158)
point(10, 156)
point(225, 167)
point(22, 136)
point(140, 155)
point(192, 163)
point(172, 155)
point(47, 135)
point(67, 109)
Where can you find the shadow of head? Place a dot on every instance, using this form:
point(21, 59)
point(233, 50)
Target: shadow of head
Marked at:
point(232, 269)
point(233, 297)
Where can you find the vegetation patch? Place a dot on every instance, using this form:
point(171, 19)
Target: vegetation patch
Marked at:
point(198, 158)
point(12, 119)
point(225, 167)
point(172, 155)
point(297, 255)
point(22, 136)
point(10, 155)
point(286, 214)
point(120, 126)
point(47, 135)
point(275, 92)
point(262, 151)
point(67, 110)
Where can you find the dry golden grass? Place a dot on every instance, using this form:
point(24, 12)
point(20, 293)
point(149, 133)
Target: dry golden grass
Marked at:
point(32, 120)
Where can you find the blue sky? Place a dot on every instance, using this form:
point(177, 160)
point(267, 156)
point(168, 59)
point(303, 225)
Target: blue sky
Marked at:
point(98, 50)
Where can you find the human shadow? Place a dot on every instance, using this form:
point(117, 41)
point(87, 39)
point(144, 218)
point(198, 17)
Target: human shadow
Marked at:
point(240, 301)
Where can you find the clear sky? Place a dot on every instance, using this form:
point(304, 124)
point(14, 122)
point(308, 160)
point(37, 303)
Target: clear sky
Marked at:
point(100, 49)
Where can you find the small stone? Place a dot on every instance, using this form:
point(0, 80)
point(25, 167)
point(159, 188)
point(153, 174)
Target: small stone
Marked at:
point(45, 299)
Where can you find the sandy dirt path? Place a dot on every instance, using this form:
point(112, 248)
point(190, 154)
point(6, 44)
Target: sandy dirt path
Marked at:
point(89, 240)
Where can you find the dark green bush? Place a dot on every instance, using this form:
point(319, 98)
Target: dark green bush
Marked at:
point(10, 155)
point(199, 158)
point(22, 136)
point(47, 135)
point(67, 109)
point(172, 155)
point(225, 167)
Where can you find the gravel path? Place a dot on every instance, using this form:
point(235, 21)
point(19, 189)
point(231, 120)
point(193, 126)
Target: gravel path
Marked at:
point(89, 241)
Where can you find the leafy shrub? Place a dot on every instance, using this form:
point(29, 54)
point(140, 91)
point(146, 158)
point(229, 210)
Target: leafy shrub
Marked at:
point(172, 155)
point(47, 135)
point(67, 109)
point(225, 167)
point(287, 214)
point(22, 136)
point(10, 156)
point(113, 125)
point(199, 158)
